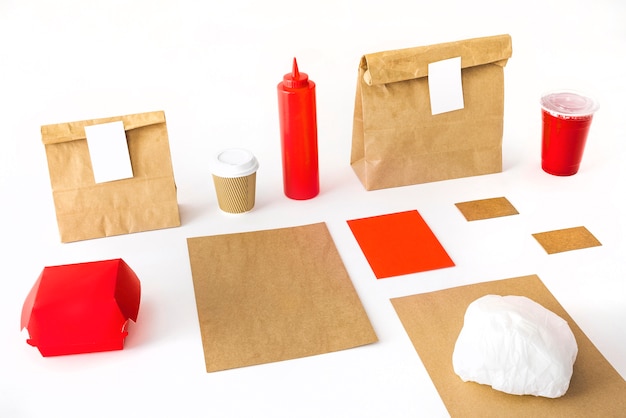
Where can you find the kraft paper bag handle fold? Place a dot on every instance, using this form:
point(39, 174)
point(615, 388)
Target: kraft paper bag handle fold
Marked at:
point(410, 63)
point(73, 131)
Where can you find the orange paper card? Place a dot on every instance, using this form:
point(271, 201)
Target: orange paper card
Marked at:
point(399, 243)
point(273, 295)
point(486, 208)
point(433, 322)
point(566, 239)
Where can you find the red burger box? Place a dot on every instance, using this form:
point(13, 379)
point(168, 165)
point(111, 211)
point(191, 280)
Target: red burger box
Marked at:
point(81, 308)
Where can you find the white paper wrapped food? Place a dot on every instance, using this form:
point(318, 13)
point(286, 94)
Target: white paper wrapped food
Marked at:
point(516, 346)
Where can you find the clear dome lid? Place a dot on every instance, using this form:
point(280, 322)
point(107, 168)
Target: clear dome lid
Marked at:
point(568, 103)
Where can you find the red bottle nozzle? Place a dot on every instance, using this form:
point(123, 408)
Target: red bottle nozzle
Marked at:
point(296, 79)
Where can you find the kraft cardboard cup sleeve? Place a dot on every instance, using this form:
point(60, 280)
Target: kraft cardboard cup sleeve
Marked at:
point(234, 176)
point(566, 118)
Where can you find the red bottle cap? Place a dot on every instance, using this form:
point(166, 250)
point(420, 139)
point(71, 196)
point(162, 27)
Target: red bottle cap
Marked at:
point(295, 79)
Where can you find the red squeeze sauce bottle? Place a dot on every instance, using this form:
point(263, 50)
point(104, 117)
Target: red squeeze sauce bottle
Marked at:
point(298, 132)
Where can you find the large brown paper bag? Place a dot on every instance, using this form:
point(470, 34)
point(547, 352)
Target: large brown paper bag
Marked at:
point(398, 141)
point(86, 209)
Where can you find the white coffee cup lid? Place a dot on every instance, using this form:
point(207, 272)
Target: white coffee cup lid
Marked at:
point(568, 103)
point(234, 162)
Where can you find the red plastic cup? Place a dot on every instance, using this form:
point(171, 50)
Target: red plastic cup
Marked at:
point(566, 117)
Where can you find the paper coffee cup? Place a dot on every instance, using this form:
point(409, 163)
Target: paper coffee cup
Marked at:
point(234, 177)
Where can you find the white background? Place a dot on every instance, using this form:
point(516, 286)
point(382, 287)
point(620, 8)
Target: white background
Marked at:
point(213, 68)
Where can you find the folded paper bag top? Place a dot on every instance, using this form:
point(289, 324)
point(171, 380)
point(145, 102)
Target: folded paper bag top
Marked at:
point(410, 63)
point(81, 308)
point(399, 138)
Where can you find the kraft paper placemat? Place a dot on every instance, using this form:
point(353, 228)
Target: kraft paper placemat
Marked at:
point(566, 239)
point(433, 322)
point(274, 295)
point(399, 243)
point(496, 207)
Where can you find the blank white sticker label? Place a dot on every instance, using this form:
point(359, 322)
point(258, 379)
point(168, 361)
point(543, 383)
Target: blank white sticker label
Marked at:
point(108, 150)
point(445, 86)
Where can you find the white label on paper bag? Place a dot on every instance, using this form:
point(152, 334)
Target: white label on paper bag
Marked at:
point(108, 150)
point(445, 86)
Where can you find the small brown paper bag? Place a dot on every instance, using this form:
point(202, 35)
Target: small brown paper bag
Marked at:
point(86, 209)
point(398, 141)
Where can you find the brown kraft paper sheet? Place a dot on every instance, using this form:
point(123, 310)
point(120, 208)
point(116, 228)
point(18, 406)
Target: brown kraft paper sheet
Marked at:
point(496, 207)
point(274, 295)
point(433, 322)
point(567, 239)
